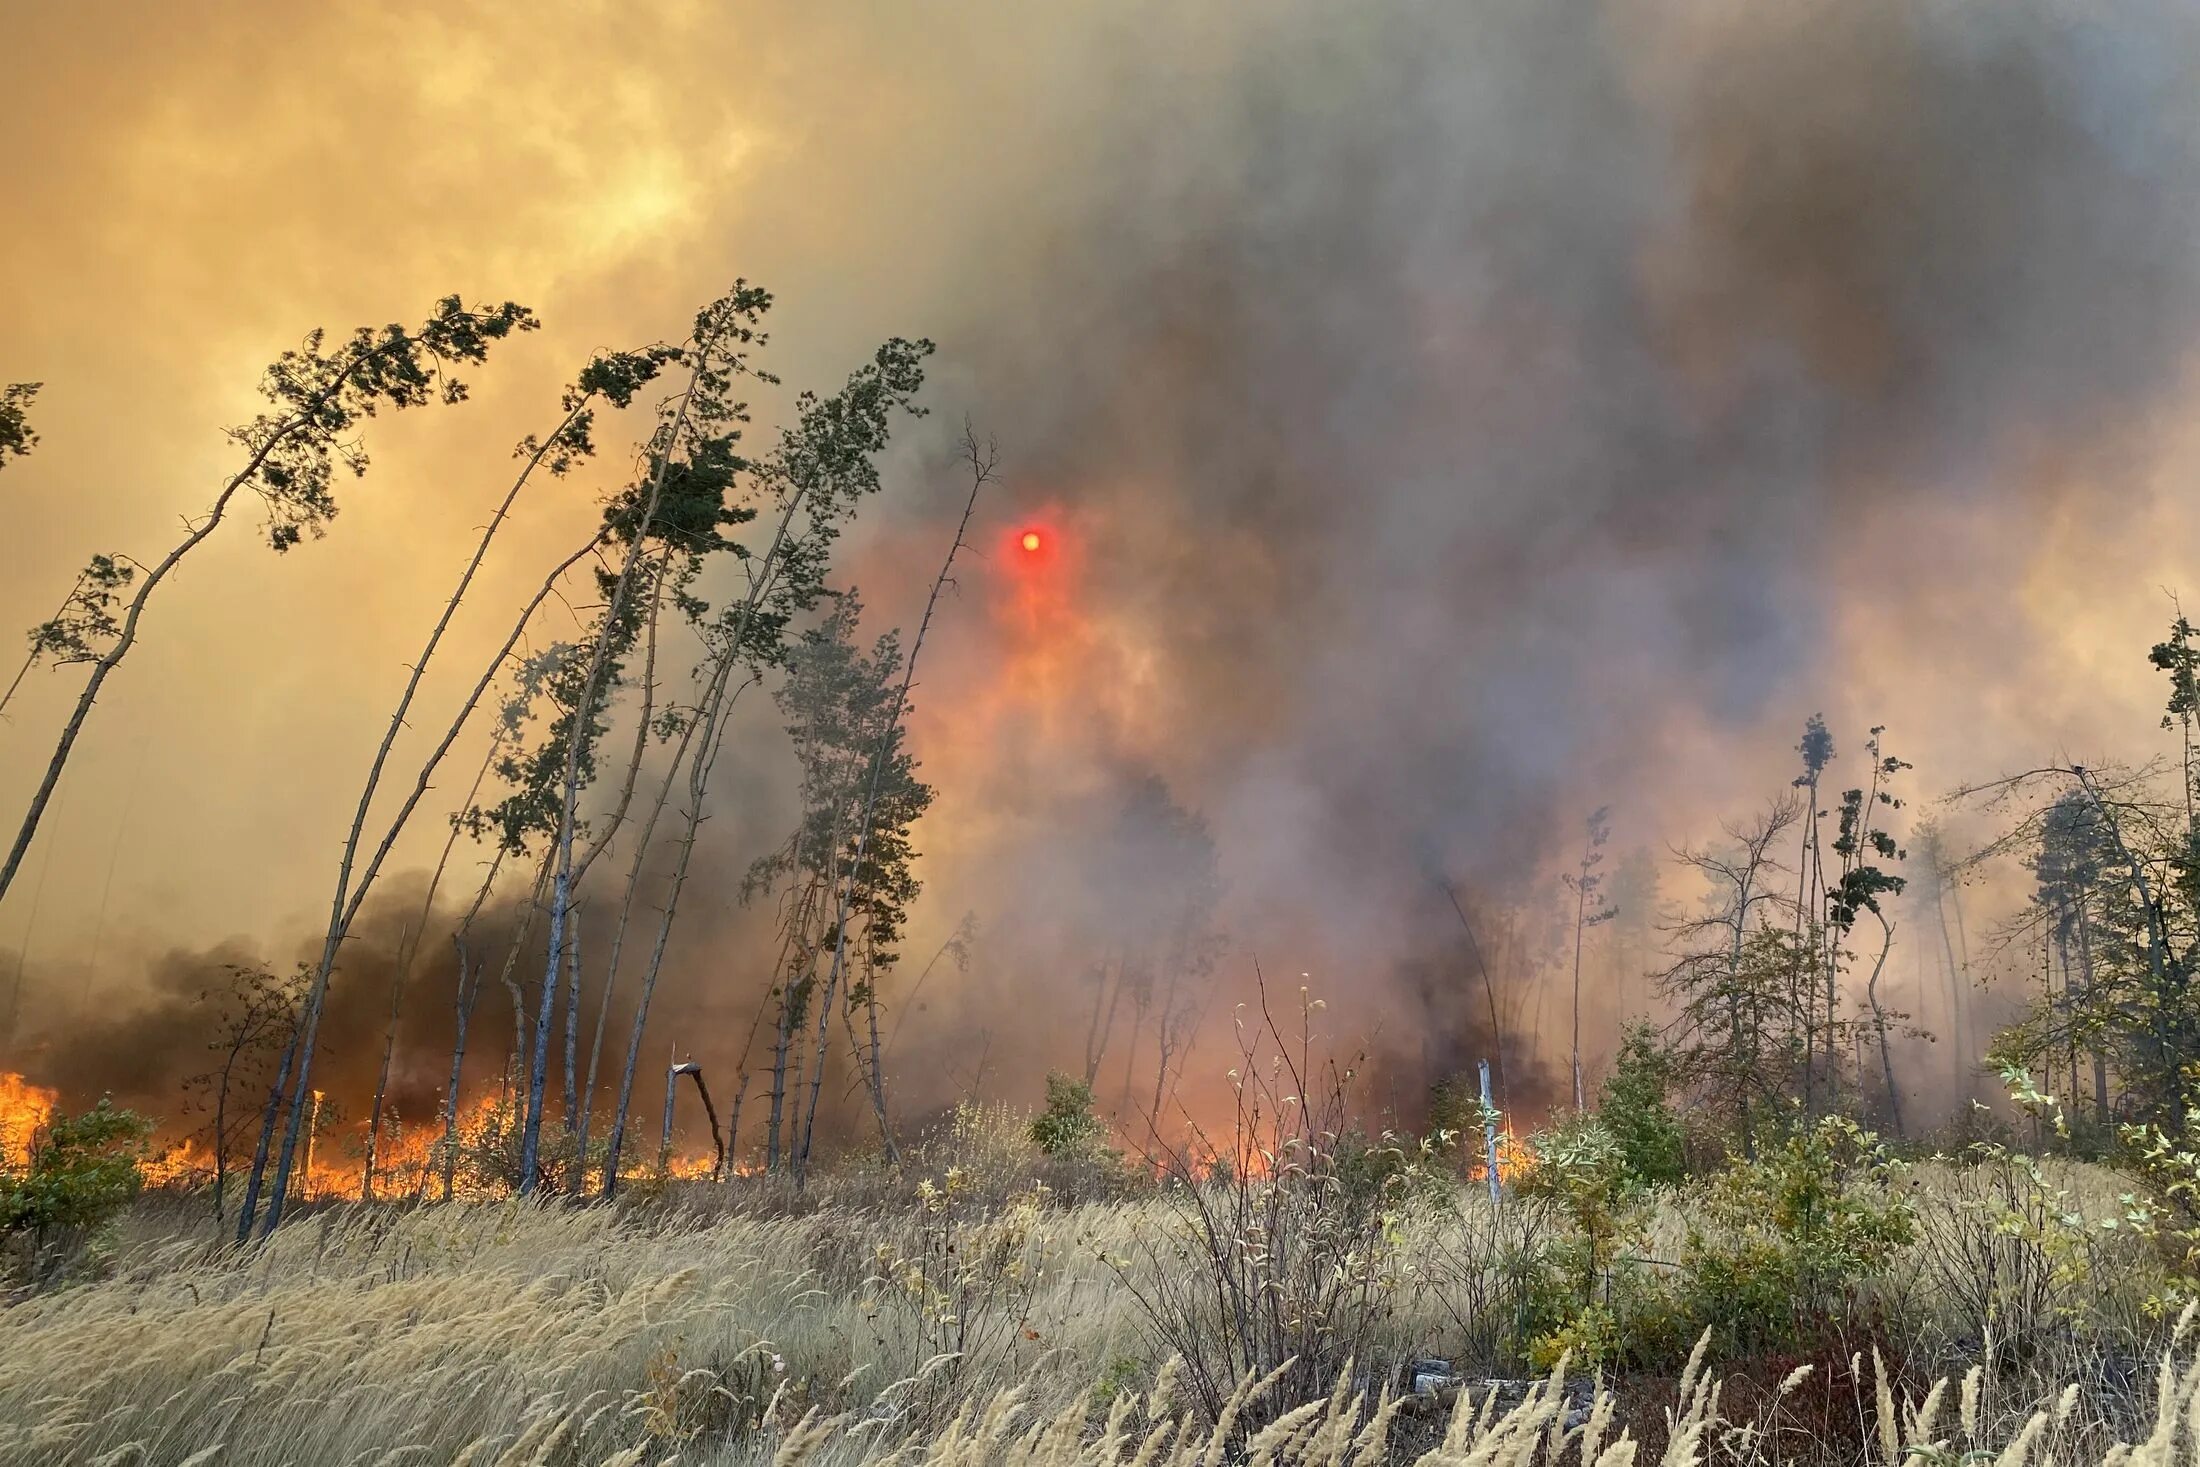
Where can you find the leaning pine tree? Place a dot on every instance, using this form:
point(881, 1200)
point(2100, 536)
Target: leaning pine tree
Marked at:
point(320, 395)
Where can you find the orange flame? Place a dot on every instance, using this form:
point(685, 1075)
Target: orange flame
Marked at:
point(24, 1107)
point(186, 1164)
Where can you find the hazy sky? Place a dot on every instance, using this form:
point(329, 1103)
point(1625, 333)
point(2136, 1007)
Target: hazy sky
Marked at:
point(1454, 417)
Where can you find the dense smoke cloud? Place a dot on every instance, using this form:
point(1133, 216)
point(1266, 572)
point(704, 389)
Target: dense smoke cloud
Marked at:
point(1450, 418)
point(1461, 405)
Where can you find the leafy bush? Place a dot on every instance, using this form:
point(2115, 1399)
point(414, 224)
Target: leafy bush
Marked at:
point(80, 1172)
point(1634, 1108)
point(1068, 1123)
point(1783, 1246)
point(1584, 1290)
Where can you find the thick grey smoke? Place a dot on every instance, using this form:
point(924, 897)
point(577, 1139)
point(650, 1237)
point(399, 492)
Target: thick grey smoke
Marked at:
point(1456, 403)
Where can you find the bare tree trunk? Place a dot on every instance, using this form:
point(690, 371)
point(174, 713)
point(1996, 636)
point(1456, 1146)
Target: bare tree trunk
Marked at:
point(718, 1141)
point(741, 1088)
point(572, 1017)
point(577, 1126)
point(664, 1133)
point(983, 461)
point(2085, 961)
point(465, 993)
point(1095, 1032)
point(408, 947)
point(382, 1076)
point(1962, 978)
point(1489, 988)
point(267, 1131)
point(561, 886)
point(1581, 908)
point(781, 1048)
point(1879, 1023)
point(714, 717)
point(1804, 910)
point(221, 1140)
point(350, 897)
point(714, 710)
point(618, 938)
point(512, 954)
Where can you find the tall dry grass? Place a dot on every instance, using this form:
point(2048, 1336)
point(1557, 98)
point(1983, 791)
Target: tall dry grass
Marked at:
point(536, 1333)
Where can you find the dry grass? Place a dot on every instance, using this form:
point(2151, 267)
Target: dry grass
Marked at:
point(972, 1327)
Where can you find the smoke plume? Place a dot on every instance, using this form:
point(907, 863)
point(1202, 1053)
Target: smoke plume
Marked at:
point(1444, 419)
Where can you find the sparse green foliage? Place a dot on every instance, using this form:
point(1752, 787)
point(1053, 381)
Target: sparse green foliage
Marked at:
point(16, 437)
point(85, 627)
point(1582, 1167)
point(2118, 870)
point(1779, 1251)
point(320, 398)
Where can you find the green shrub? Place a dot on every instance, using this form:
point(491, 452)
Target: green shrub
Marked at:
point(1781, 1250)
point(1634, 1108)
point(1067, 1124)
point(79, 1174)
point(1783, 1246)
point(1585, 1291)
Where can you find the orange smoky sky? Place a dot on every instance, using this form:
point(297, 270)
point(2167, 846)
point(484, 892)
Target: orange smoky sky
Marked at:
point(1438, 420)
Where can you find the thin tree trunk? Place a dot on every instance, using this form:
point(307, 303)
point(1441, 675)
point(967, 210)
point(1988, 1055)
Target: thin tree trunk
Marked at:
point(1095, 1035)
point(1879, 1023)
point(1489, 990)
point(1963, 977)
point(572, 1019)
point(2085, 961)
point(464, 1007)
point(221, 1139)
point(465, 993)
point(741, 1090)
point(887, 1143)
point(618, 942)
point(1581, 910)
point(982, 463)
point(382, 1077)
point(664, 1133)
point(578, 1125)
point(561, 886)
point(1959, 1029)
point(347, 910)
point(715, 708)
point(407, 952)
point(781, 1048)
point(267, 1132)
